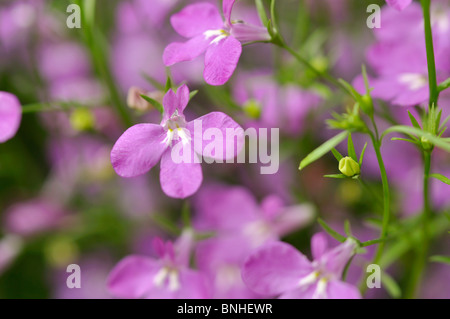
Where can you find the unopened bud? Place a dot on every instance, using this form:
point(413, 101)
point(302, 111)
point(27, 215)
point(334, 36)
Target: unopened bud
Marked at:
point(137, 102)
point(252, 108)
point(82, 119)
point(426, 144)
point(349, 167)
point(366, 104)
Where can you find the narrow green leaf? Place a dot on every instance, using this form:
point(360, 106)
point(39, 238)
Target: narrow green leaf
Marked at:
point(323, 149)
point(439, 142)
point(261, 12)
point(336, 154)
point(351, 148)
point(391, 286)
point(335, 176)
point(153, 102)
point(442, 178)
point(347, 228)
point(404, 140)
point(414, 121)
point(350, 89)
point(330, 231)
point(441, 259)
point(153, 81)
point(192, 94)
point(361, 158)
point(168, 85)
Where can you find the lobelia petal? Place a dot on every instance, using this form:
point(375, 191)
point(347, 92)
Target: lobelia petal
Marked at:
point(275, 268)
point(231, 145)
point(221, 60)
point(249, 33)
point(341, 290)
point(300, 293)
point(399, 4)
point(193, 285)
point(10, 116)
point(175, 101)
point(185, 51)
point(138, 149)
point(196, 18)
point(227, 7)
point(180, 180)
point(224, 208)
point(334, 260)
point(133, 277)
point(319, 245)
point(292, 218)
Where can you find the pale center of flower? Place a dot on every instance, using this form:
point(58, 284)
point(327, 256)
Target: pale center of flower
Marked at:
point(216, 35)
point(170, 275)
point(440, 18)
point(312, 278)
point(414, 81)
point(176, 130)
point(227, 277)
point(258, 231)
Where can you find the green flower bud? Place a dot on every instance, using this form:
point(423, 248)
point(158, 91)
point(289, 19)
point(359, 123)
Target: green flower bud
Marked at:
point(82, 119)
point(252, 108)
point(426, 144)
point(366, 104)
point(349, 167)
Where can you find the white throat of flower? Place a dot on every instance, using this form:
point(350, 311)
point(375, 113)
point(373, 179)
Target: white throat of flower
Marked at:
point(414, 81)
point(170, 274)
point(321, 290)
point(216, 35)
point(176, 130)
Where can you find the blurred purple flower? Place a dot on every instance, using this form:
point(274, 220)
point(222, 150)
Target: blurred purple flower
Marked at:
point(399, 4)
point(203, 25)
point(165, 278)
point(278, 268)
point(34, 216)
point(234, 210)
point(10, 116)
point(142, 146)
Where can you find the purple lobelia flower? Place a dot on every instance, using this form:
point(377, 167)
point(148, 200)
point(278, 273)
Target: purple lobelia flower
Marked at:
point(278, 268)
point(165, 278)
point(399, 4)
point(10, 116)
point(203, 25)
point(143, 145)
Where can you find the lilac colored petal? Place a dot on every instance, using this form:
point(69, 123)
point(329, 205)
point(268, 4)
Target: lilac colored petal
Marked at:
point(275, 268)
point(10, 116)
point(227, 7)
point(185, 51)
point(221, 60)
point(180, 180)
point(248, 33)
point(133, 277)
point(231, 147)
point(334, 260)
point(292, 218)
point(193, 285)
point(300, 293)
point(399, 4)
point(138, 150)
point(175, 101)
point(197, 18)
point(223, 208)
point(341, 290)
point(319, 244)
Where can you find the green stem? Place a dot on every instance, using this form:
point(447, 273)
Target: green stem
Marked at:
point(444, 85)
point(421, 255)
point(95, 43)
point(434, 93)
point(386, 205)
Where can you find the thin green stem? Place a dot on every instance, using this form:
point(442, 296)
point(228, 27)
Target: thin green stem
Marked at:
point(386, 204)
point(95, 42)
point(444, 85)
point(434, 93)
point(421, 254)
